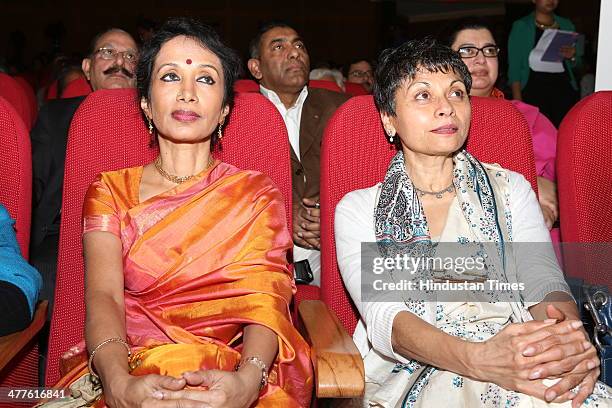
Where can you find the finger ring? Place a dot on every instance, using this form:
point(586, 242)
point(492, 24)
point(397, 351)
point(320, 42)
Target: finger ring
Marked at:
point(317, 205)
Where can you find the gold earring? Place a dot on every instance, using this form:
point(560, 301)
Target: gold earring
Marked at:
point(219, 133)
point(150, 126)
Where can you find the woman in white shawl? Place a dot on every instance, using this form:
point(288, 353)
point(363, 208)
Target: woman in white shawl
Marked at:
point(524, 348)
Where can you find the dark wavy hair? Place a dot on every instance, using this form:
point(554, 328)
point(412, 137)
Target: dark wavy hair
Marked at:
point(397, 65)
point(207, 37)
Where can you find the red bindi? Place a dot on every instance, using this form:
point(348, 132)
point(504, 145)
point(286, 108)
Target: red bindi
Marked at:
point(188, 61)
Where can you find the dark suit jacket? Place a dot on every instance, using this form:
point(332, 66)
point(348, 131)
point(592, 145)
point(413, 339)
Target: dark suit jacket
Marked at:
point(49, 137)
point(318, 108)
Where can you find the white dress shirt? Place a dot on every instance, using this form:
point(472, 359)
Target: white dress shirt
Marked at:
point(291, 116)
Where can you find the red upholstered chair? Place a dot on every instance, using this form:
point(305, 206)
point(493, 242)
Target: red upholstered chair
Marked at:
point(246, 85)
point(16, 96)
point(355, 89)
point(584, 182)
point(18, 351)
point(30, 96)
point(255, 138)
point(498, 134)
point(323, 84)
point(76, 87)
point(52, 91)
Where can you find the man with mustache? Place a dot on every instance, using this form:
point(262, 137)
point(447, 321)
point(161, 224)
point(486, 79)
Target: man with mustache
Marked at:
point(280, 62)
point(110, 65)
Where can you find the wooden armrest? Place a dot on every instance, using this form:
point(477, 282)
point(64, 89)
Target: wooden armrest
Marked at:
point(337, 363)
point(13, 343)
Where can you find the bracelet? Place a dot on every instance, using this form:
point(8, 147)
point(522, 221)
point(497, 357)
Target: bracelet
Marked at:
point(99, 346)
point(256, 361)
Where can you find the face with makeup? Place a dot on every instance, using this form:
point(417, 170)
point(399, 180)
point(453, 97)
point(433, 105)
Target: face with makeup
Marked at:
point(186, 93)
point(484, 69)
point(432, 113)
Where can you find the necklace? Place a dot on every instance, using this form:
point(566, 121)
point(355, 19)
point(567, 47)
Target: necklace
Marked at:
point(177, 179)
point(545, 26)
point(438, 194)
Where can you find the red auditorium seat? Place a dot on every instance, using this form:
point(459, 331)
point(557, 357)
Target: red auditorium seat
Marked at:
point(363, 163)
point(255, 138)
point(76, 87)
point(355, 89)
point(584, 182)
point(52, 91)
point(30, 96)
point(246, 85)
point(322, 84)
point(18, 351)
point(11, 91)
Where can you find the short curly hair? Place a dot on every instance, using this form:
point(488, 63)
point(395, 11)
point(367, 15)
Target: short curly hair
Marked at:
point(396, 65)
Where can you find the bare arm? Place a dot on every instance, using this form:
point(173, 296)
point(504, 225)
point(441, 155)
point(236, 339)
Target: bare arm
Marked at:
point(105, 304)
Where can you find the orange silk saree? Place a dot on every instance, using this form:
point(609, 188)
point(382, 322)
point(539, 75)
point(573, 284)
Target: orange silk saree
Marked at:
point(201, 261)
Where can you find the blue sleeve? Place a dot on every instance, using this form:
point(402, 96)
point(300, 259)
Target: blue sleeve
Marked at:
point(13, 267)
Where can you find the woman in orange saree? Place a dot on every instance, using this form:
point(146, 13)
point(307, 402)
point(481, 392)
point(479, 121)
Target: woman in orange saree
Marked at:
point(186, 258)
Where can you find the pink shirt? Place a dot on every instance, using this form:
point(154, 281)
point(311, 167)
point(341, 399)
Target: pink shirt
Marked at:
point(544, 136)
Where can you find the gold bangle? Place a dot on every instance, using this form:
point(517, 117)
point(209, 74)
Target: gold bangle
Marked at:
point(256, 361)
point(104, 343)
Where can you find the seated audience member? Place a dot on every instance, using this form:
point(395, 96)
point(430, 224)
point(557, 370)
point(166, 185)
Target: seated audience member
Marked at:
point(280, 63)
point(110, 64)
point(69, 73)
point(187, 280)
point(327, 74)
point(426, 353)
point(360, 72)
point(475, 44)
point(19, 281)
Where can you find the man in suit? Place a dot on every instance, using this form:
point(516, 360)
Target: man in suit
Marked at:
point(111, 64)
point(280, 62)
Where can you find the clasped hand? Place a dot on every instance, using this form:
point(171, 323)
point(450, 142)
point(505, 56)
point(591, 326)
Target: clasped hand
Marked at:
point(197, 389)
point(523, 354)
point(307, 224)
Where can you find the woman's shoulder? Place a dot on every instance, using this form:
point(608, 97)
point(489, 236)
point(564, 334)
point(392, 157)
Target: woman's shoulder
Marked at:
point(255, 180)
point(517, 181)
point(564, 23)
point(360, 201)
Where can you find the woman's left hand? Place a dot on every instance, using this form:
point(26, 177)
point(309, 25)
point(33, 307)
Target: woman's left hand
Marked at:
point(226, 389)
point(567, 51)
point(547, 192)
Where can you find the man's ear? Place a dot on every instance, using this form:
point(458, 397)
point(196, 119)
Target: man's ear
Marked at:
point(253, 65)
point(85, 65)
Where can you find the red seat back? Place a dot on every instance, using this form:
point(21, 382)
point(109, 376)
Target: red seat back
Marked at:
point(52, 91)
point(76, 87)
point(323, 84)
point(16, 197)
point(30, 96)
point(498, 134)
point(255, 138)
point(355, 89)
point(246, 85)
point(16, 96)
point(16, 172)
point(584, 181)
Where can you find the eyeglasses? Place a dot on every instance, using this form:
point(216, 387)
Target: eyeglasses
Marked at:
point(361, 74)
point(489, 51)
point(111, 54)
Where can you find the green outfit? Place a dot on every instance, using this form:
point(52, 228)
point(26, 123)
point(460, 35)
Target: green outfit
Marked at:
point(522, 41)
